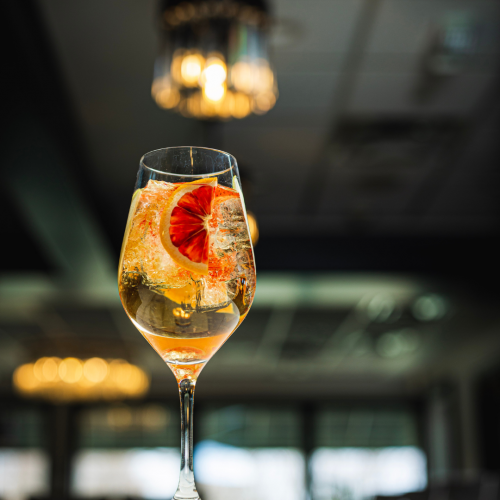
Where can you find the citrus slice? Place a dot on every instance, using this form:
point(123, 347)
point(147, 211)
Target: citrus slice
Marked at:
point(184, 224)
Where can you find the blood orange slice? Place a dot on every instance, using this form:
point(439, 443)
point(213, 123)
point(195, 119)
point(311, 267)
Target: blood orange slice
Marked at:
point(184, 224)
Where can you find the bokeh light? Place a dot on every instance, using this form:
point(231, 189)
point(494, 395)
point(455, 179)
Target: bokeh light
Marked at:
point(253, 227)
point(215, 71)
point(75, 379)
point(191, 68)
point(214, 91)
point(218, 72)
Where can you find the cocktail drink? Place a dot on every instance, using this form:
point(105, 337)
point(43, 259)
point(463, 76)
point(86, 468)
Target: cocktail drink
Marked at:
point(187, 275)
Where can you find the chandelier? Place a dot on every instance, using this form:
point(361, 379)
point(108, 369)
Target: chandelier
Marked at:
point(73, 379)
point(213, 62)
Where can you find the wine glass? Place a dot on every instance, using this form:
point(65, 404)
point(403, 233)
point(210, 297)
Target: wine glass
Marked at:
point(187, 276)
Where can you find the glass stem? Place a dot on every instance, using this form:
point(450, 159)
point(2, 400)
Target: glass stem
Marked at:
point(187, 488)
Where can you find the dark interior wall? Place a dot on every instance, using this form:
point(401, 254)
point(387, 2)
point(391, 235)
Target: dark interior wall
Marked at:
point(488, 396)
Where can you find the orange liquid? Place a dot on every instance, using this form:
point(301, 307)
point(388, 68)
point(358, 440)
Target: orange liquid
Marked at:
point(185, 338)
point(185, 317)
point(198, 348)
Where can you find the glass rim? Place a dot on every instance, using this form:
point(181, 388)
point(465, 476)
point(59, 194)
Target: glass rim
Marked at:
point(211, 174)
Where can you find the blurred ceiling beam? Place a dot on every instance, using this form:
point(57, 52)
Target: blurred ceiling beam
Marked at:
point(332, 352)
point(276, 290)
point(339, 290)
point(274, 336)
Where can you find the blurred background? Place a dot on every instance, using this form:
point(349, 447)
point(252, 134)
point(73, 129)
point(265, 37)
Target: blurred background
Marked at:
point(369, 365)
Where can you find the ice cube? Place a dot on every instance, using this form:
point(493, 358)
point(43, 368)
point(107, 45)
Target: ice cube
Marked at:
point(144, 252)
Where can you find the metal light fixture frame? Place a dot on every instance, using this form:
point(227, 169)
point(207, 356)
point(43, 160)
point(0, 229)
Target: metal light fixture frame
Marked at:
point(214, 59)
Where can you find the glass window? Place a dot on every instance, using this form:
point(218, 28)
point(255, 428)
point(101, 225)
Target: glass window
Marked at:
point(22, 428)
point(125, 426)
point(361, 453)
point(250, 426)
point(24, 462)
point(366, 427)
point(127, 450)
point(359, 473)
point(23, 473)
point(226, 472)
point(250, 452)
point(145, 473)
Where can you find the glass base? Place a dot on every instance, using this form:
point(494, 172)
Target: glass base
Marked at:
point(186, 489)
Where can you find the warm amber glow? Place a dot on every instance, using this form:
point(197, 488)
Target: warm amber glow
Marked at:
point(95, 370)
point(264, 77)
point(194, 105)
point(164, 93)
point(49, 368)
point(201, 88)
point(46, 368)
point(262, 103)
point(24, 377)
point(213, 79)
point(119, 418)
point(208, 108)
point(226, 105)
point(241, 105)
point(242, 77)
point(154, 417)
point(175, 67)
point(70, 370)
point(191, 68)
point(214, 91)
point(215, 55)
point(252, 78)
point(254, 228)
point(149, 418)
point(215, 71)
point(74, 379)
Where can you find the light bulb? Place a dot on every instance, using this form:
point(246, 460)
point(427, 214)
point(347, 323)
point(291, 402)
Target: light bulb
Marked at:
point(70, 370)
point(214, 91)
point(215, 71)
point(95, 369)
point(191, 67)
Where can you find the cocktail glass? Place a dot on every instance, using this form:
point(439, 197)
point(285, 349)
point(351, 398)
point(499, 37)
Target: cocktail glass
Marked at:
point(187, 275)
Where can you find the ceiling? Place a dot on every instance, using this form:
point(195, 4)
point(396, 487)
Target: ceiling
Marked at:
point(336, 61)
point(352, 171)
